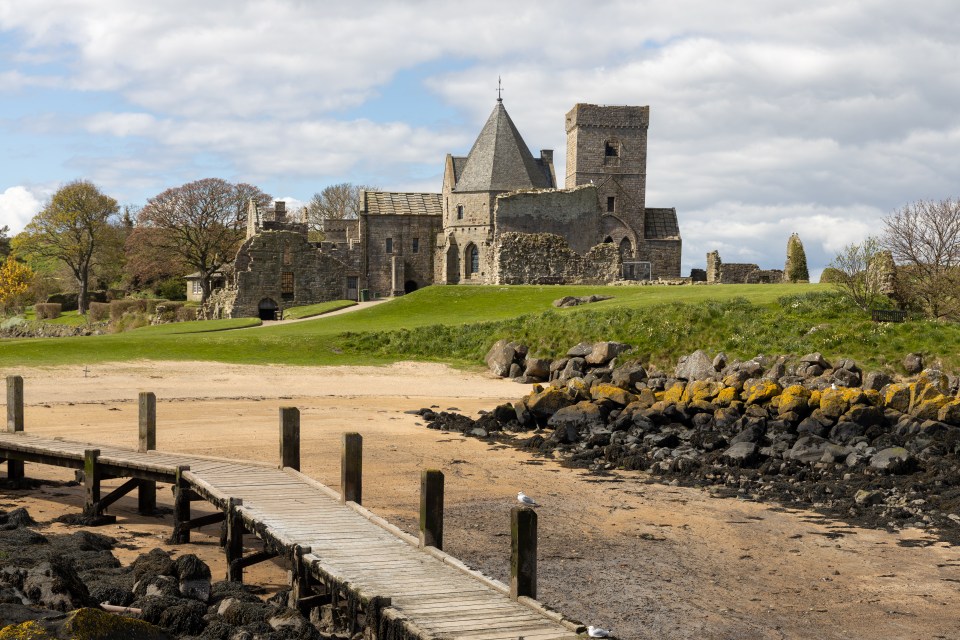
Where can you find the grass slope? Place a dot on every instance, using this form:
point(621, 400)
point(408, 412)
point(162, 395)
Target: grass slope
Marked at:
point(310, 310)
point(458, 324)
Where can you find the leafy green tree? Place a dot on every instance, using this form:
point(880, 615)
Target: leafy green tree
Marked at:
point(4, 241)
point(73, 228)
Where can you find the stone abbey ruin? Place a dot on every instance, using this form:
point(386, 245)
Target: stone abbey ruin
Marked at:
point(500, 218)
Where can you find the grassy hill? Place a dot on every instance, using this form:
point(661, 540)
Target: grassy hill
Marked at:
point(457, 324)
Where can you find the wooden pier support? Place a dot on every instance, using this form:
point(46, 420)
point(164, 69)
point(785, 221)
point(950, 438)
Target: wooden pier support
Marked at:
point(431, 508)
point(523, 553)
point(147, 489)
point(351, 468)
point(234, 546)
point(181, 507)
point(14, 422)
point(290, 437)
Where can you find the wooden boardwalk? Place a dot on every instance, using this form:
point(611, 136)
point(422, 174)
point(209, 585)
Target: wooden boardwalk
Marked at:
point(339, 553)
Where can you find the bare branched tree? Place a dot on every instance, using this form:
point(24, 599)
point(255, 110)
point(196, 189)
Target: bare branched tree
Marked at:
point(336, 202)
point(197, 224)
point(850, 273)
point(924, 238)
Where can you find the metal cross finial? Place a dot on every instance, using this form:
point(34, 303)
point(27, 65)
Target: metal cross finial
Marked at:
point(499, 89)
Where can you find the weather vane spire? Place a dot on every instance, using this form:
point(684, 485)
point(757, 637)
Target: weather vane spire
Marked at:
point(499, 89)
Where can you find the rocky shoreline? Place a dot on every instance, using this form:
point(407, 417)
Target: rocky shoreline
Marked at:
point(57, 586)
point(796, 431)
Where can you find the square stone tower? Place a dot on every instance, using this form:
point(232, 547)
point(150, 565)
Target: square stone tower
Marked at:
point(607, 147)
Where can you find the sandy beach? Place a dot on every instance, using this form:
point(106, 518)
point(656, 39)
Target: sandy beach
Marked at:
point(648, 560)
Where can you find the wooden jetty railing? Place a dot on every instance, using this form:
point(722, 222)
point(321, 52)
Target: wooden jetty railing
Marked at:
point(375, 576)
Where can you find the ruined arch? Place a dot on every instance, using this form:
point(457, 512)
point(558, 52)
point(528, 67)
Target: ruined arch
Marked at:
point(267, 309)
point(410, 286)
point(626, 248)
point(453, 263)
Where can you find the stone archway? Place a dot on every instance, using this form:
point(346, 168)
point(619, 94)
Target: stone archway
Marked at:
point(410, 286)
point(453, 264)
point(626, 249)
point(267, 309)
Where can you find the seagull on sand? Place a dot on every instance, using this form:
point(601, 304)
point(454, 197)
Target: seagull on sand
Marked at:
point(597, 632)
point(526, 500)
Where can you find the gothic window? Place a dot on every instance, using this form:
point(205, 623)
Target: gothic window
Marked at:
point(415, 248)
point(459, 212)
point(473, 260)
point(611, 149)
point(286, 285)
point(389, 247)
point(611, 204)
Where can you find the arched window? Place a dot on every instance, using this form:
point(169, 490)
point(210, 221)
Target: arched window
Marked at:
point(473, 260)
point(626, 250)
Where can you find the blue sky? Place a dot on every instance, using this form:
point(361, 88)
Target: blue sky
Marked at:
point(767, 117)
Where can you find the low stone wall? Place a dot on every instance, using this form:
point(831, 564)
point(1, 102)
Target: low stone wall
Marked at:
point(545, 258)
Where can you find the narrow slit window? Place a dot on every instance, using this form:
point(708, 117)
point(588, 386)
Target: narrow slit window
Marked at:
point(389, 247)
point(415, 246)
point(611, 204)
point(459, 212)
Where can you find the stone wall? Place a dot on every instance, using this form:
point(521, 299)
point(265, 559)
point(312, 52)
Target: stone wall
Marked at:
point(739, 272)
point(663, 256)
point(545, 258)
point(403, 231)
point(572, 214)
point(262, 262)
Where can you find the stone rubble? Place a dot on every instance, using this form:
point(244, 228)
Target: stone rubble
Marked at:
point(801, 431)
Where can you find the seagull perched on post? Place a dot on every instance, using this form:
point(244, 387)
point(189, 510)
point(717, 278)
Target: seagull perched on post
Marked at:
point(526, 500)
point(597, 632)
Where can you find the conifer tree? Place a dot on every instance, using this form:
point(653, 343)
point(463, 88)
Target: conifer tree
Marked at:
point(795, 269)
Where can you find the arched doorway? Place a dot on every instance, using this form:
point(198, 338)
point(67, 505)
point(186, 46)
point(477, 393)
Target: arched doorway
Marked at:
point(453, 264)
point(410, 286)
point(267, 309)
point(472, 259)
point(626, 249)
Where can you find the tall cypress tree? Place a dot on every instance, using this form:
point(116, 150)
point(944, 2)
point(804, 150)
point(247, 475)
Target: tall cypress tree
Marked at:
point(795, 270)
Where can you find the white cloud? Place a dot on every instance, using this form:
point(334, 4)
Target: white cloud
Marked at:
point(17, 206)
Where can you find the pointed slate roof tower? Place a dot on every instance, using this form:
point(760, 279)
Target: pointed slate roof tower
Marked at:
point(501, 161)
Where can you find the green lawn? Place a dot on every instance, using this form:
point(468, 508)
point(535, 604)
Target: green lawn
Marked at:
point(310, 310)
point(457, 324)
point(197, 326)
point(71, 318)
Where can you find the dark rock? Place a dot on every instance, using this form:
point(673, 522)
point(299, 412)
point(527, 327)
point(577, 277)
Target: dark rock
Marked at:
point(580, 350)
point(816, 358)
point(913, 363)
point(574, 369)
point(155, 561)
point(741, 454)
point(537, 368)
point(720, 362)
point(604, 352)
point(53, 584)
point(809, 449)
point(15, 519)
point(500, 357)
point(893, 460)
point(846, 378)
point(876, 380)
point(628, 375)
point(194, 576)
point(515, 371)
point(583, 415)
point(811, 427)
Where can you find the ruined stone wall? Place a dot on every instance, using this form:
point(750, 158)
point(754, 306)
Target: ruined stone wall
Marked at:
point(663, 256)
point(764, 276)
point(403, 231)
point(739, 272)
point(262, 262)
point(571, 214)
point(545, 258)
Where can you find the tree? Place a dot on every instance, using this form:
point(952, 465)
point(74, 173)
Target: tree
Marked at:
point(197, 224)
point(4, 241)
point(15, 279)
point(336, 202)
point(924, 238)
point(795, 269)
point(74, 228)
point(242, 197)
point(850, 273)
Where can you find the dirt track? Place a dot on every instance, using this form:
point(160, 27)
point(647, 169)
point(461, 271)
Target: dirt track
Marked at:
point(649, 560)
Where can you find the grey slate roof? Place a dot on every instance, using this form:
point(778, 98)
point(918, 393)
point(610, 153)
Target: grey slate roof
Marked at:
point(500, 159)
point(387, 203)
point(661, 224)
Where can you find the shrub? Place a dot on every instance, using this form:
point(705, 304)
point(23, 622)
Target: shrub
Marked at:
point(831, 276)
point(166, 311)
point(98, 311)
point(47, 310)
point(120, 307)
point(186, 314)
point(172, 289)
point(67, 301)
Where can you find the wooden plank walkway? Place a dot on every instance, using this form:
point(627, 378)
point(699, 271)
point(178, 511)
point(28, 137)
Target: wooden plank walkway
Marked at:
point(405, 590)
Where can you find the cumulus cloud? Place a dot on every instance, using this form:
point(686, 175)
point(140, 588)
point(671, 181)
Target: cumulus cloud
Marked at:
point(18, 205)
point(767, 116)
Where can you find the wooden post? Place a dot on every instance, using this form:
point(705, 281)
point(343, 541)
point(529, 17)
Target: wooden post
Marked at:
point(290, 437)
point(181, 508)
point(234, 548)
point(351, 468)
point(91, 481)
point(300, 588)
point(431, 508)
point(523, 552)
point(14, 422)
point(147, 489)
